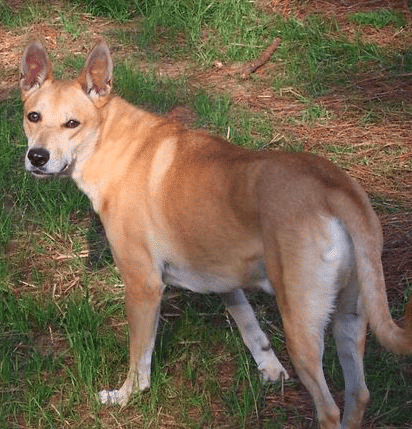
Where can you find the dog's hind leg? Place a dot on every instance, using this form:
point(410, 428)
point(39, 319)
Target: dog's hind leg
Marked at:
point(312, 260)
point(349, 330)
point(305, 342)
point(253, 336)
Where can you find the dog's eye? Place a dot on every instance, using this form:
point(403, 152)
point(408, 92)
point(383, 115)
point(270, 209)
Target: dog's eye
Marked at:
point(72, 123)
point(34, 117)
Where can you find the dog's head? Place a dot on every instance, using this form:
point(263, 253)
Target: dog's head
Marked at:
point(61, 117)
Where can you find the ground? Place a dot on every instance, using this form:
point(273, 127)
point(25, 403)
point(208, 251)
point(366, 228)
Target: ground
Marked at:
point(387, 141)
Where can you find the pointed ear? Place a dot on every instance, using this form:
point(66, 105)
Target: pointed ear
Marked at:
point(35, 68)
point(97, 74)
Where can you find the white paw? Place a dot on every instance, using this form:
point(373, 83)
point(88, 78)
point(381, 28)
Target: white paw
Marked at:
point(274, 374)
point(270, 367)
point(111, 397)
point(272, 370)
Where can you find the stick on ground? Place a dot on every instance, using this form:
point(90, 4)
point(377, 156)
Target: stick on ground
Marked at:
point(264, 58)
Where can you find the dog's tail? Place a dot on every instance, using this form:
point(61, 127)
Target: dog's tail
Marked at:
point(373, 289)
point(367, 241)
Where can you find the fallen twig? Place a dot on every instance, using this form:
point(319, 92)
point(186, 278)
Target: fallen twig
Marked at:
point(264, 58)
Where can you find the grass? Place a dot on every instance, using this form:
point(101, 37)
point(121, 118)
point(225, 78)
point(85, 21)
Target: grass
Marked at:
point(378, 18)
point(62, 325)
point(157, 95)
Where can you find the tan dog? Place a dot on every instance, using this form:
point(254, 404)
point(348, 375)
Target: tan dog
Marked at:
point(186, 208)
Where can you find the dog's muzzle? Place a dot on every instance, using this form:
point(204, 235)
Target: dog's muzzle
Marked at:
point(39, 164)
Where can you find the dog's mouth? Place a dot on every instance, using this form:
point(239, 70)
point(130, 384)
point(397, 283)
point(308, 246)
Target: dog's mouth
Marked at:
point(40, 173)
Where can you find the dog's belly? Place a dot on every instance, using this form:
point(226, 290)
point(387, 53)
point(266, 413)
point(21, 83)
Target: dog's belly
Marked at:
point(207, 281)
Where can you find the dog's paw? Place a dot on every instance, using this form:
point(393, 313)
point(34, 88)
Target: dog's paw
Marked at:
point(274, 372)
point(111, 397)
point(270, 368)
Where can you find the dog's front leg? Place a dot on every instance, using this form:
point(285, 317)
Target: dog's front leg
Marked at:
point(143, 308)
point(253, 336)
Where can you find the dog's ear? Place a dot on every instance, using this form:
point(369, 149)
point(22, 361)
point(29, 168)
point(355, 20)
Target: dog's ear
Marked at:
point(35, 68)
point(96, 77)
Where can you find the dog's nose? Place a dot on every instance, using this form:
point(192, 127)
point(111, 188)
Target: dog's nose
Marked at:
point(38, 157)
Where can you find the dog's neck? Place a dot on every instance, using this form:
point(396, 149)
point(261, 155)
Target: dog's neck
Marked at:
point(100, 161)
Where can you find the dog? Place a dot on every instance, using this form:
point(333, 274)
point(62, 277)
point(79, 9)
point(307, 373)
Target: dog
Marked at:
point(187, 208)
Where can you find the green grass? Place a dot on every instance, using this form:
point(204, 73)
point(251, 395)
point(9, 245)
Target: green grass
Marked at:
point(120, 10)
point(322, 59)
point(145, 90)
point(62, 325)
point(217, 114)
point(201, 20)
point(378, 18)
point(11, 17)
